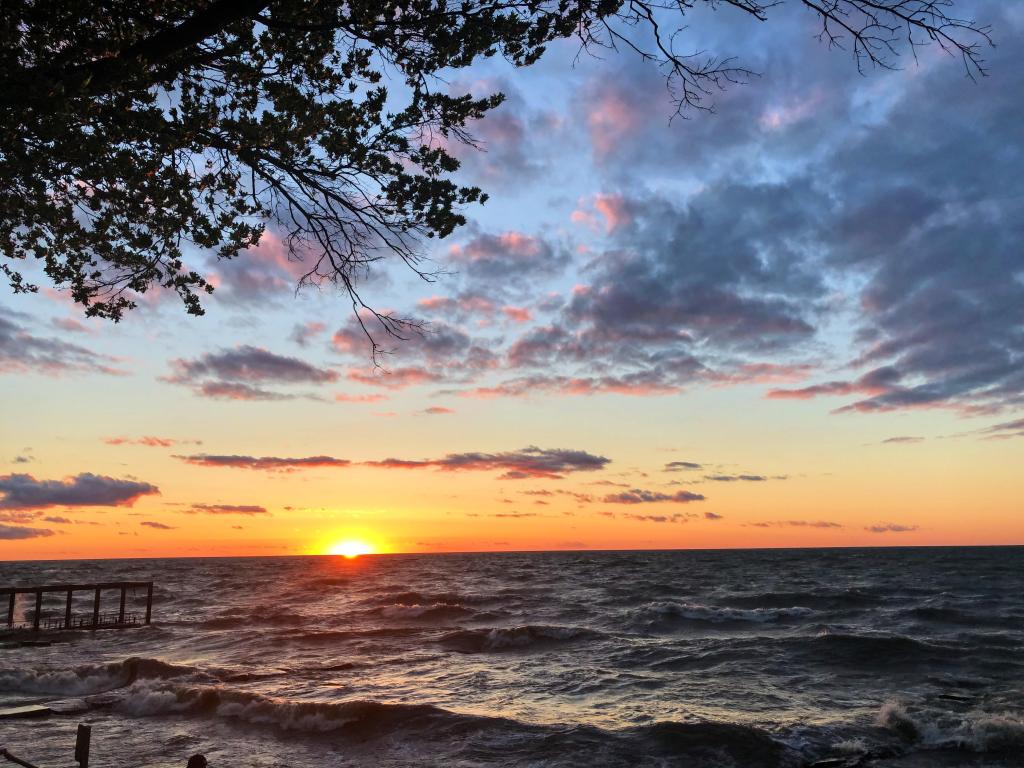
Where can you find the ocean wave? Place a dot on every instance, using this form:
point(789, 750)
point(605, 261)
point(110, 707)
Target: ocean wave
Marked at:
point(318, 637)
point(89, 678)
point(431, 612)
point(458, 736)
point(277, 617)
point(513, 638)
point(147, 699)
point(874, 649)
point(667, 612)
point(958, 617)
point(984, 732)
point(385, 599)
point(824, 599)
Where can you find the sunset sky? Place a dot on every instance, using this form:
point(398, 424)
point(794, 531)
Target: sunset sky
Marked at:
point(798, 321)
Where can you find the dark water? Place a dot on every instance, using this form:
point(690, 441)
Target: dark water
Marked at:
point(911, 657)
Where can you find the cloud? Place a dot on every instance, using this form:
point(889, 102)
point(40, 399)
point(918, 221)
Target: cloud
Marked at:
point(399, 378)
point(680, 466)
point(260, 276)
point(890, 528)
point(24, 352)
point(158, 526)
point(797, 524)
point(530, 462)
point(13, 532)
point(502, 269)
point(240, 373)
point(150, 441)
point(441, 352)
point(70, 325)
point(800, 221)
point(640, 496)
point(234, 391)
point(674, 518)
point(518, 314)
point(640, 384)
point(875, 382)
point(514, 139)
point(437, 410)
point(1005, 430)
point(227, 509)
point(269, 463)
point(712, 516)
point(736, 478)
point(346, 398)
point(22, 491)
point(902, 439)
point(303, 333)
point(57, 519)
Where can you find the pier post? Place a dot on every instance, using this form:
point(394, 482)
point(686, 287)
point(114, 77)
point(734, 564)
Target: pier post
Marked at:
point(96, 609)
point(39, 610)
point(10, 610)
point(67, 612)
point(149, 602)
point(82, 745)
point(120, 613)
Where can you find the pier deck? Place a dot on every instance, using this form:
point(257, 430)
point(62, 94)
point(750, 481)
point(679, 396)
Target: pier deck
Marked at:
point(37, 621)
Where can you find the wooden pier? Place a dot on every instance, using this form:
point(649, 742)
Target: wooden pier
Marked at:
point(121, 619)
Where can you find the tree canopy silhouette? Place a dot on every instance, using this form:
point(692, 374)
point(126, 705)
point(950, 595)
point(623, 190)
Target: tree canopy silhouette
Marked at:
point(132, 128)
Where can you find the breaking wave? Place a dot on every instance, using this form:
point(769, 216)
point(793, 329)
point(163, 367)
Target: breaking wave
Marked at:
point(985, 732)
point(706, 743)
point(89, 678)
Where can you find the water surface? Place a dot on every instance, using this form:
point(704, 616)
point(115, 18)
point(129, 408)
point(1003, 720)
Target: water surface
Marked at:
point(881, 657)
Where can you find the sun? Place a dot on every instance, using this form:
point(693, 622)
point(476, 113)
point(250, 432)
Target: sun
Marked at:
point(350, 548)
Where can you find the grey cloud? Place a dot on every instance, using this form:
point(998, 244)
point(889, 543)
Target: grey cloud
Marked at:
point(303, 333)
point(679, 466)
point(529, 462)
point(271, 463)
point(13, 532)
point(22, 351)
point(22, 491)
point(641, 496)
point(674, 518)
point(736, 478)
point(890, 528)
point(227, 509)
point(240, 373)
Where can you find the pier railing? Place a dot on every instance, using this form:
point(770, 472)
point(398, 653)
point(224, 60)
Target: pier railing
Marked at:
point(94, 620)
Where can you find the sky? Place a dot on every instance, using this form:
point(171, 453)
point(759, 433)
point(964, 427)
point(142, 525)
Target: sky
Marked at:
point(795, 321)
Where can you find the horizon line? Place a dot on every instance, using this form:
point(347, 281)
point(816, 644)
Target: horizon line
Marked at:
point(523, 552)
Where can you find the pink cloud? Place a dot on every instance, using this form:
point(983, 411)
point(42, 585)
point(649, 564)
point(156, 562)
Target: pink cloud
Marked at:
point(777, 118)
point(518, 314)
point(398, 378)
point(611, 120)
point(375, 398)
point(576, 386)
point(614, 209)
point(149, 441)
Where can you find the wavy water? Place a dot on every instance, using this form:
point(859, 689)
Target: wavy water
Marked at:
point(832, 658)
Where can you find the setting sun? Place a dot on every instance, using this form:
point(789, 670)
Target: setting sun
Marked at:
point(350, 548)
